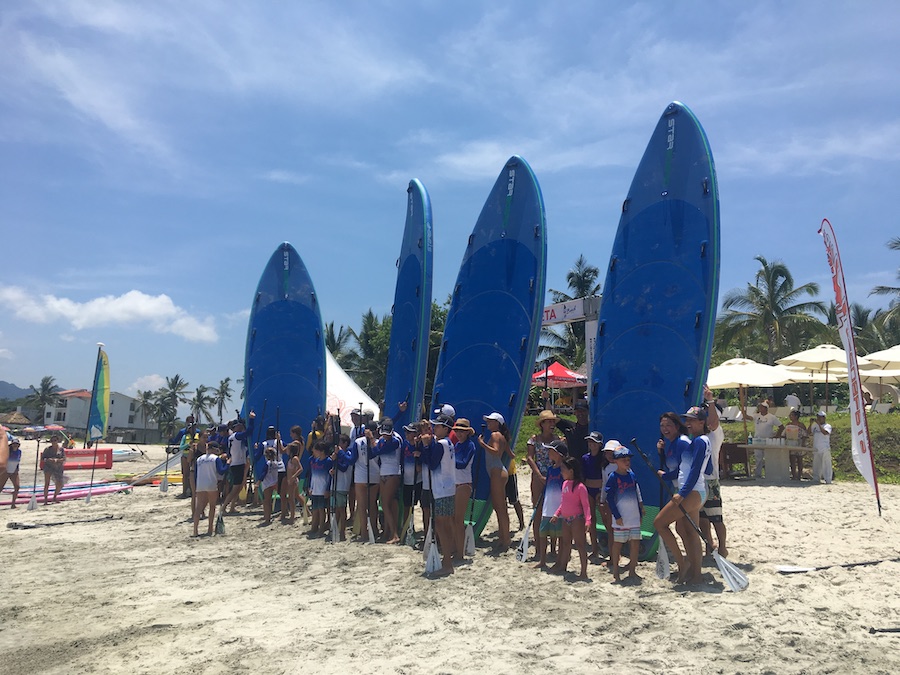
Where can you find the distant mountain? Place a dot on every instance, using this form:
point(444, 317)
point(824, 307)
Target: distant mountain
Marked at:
point(11, 391)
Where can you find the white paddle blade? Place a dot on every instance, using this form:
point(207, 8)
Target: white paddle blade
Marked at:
point(663, 568)
point(792, 569)
point(305, 513)
point(335, 535)
point(164, 485)
point(220, 524)
point(410, 533)
point(734, 578)
point(32, 504)
point(427, 547)
point(371, 532)
point(87, 500)
point(433, 561)
point(522, 551)
point(469, 547)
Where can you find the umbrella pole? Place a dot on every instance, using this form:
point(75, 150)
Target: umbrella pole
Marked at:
point(742, 398)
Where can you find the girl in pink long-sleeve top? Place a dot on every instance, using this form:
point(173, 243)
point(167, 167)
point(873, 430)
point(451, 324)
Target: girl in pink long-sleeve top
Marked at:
point(575, 512)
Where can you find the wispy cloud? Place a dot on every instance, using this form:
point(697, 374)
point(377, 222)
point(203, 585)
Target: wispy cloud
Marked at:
point(134, 309)
point(5, 353)
point(282, 176)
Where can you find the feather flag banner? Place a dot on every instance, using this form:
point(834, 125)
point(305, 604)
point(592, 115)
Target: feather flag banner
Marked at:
point(98, 418)
point(861, 444)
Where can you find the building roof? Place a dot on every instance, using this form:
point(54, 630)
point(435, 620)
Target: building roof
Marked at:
point(14, 418)
point(74, 393)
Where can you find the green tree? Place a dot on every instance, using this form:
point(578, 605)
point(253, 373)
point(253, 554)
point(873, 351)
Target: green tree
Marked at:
point(373, 342)
point(202, 402)
point(340, 345)
point(892, 315)
point(769, 308)
point(43, 396)
point(146, 404)
point(222, 394)
point(435, 340)
point(566, 343)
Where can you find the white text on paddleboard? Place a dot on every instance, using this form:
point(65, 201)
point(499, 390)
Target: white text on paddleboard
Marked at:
point(671, 136)
point(512, 183)
point(287, 261)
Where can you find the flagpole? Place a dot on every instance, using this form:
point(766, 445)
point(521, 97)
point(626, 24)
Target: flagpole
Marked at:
point(87, 431)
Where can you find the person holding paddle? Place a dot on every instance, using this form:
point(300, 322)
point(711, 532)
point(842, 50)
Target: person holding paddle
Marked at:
point(387, 449)
point(464, 458)
point(54, 458)
point(437, 452)
point(538, 458)
point(691, 495)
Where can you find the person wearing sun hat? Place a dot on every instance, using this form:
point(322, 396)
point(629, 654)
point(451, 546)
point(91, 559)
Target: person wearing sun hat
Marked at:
point(538, 457)
point(9, 468)
point(463, 458)
point(691, 495)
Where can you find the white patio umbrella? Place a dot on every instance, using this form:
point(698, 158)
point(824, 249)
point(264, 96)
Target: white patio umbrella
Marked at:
point(822, 359)
point(741, 373)
point(888, 359)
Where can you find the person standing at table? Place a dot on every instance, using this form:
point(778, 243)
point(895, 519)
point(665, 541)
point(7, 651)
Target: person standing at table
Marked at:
point(764, 427)
point(821, 442)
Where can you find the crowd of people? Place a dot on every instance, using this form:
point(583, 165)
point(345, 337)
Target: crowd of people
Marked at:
point(370, 481)
point(816, 433)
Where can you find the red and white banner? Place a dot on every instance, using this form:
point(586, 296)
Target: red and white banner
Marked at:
point(861, 444)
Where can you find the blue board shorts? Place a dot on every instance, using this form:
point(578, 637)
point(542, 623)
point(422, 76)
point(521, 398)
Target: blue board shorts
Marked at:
point(549, 528)
point(630, 534)
point(318, 502)
point(445, 506)
point(340, 499)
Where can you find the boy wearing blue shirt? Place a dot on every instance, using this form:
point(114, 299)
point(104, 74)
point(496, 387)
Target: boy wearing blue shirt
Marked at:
point(623, 495)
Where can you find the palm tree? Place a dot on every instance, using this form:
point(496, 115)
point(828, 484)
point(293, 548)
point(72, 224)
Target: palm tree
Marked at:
point(373, 341)
point(201, 403)
point(43, 396)
point(175, 390)
point(146, 404)
point(566, 344)
point(769, 309)
point(893, 314)
point(221, 395)
point(339, 345)
point(165, 410)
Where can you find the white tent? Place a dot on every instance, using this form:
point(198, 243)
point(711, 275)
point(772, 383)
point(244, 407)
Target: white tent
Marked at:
point(344, 394)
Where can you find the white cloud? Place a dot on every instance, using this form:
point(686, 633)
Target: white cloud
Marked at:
point(239, 317)
point(134, 308)
point(5, 353)
point(145, 382)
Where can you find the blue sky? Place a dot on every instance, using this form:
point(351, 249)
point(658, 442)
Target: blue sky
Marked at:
point(153, 155)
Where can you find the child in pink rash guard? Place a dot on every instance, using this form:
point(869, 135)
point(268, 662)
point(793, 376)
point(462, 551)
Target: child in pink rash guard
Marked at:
point(575, 512)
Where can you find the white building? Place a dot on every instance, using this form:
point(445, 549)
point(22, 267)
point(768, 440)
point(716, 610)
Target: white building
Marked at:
point(125, 414)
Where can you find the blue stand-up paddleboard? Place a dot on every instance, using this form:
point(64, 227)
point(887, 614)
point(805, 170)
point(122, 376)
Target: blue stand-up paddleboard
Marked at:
point(494, 321)
point(284, 363)
point(411, 314)
point(655, 329)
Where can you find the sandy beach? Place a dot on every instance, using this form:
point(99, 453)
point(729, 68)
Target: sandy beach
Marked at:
point(137, 594)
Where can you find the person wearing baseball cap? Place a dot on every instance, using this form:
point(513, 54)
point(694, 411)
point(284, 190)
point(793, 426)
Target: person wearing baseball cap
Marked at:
point(693, 461)
point(463, 456)
point(592, 463)
point(437, 456)
point(557, 450)
point(821, 442)
point(576, 432)
point(496, 449)
point(623, 495)
point(387, 449)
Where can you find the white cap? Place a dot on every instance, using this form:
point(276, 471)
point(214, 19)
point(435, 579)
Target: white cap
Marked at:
point(446, 409)
point(612, 445)
point(495, 416)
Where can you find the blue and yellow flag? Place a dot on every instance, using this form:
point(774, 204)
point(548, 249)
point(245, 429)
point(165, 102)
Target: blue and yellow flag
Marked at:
point(98, 418)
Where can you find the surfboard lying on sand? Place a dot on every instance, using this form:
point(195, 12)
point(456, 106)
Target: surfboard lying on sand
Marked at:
point(655, 329)
point(411, 314)
point(493, 324)
point(284, 363)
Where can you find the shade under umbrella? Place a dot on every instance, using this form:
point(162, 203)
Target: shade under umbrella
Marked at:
point(559, 377)
point(822, 359)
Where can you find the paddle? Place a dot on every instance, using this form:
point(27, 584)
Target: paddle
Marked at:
point(368, 490)
point(663, 568)
point(733, 576)
point(335, 438)
point(791, 569)
point(469, 542)
point(164, 483)
point(33, 526)
point(522, 551)
point(32, 503)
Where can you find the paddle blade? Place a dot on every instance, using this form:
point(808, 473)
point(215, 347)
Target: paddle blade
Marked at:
point(522, 551)
point(433, 560)
point(793, 569)
point(220, 524)
point(32, 504)
point(469, 545)
point(371, 532)
point(164, 484)
point(734, 578)
point(427, 547)
point(305, 512)
point(663, 569)
point(410, 533)
point(87, 500)
point(334, 529)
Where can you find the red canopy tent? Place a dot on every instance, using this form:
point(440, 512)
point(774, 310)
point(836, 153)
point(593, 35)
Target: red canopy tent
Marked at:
point(557, 376)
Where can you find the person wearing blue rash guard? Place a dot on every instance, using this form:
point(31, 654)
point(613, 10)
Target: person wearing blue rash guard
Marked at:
point(437, 453)
point(320, 486)
point(463, 457)
point(411, 470)
point(237, 445)
point(692, 461)
point(387, 449)
point(343, 464)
